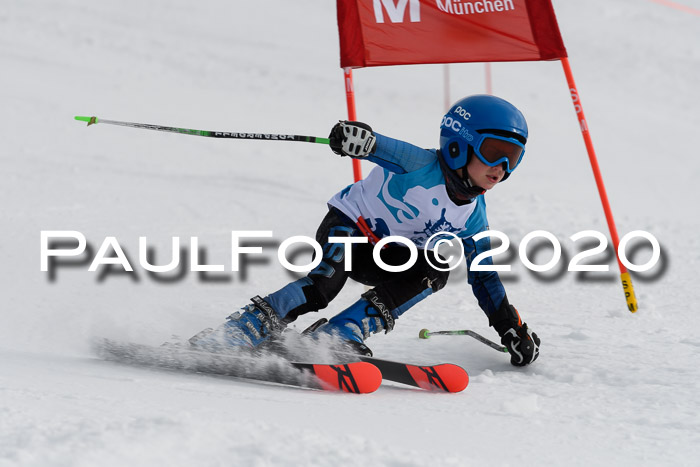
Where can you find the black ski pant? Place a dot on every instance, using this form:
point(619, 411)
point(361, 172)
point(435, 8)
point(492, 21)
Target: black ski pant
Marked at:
point(398, 291)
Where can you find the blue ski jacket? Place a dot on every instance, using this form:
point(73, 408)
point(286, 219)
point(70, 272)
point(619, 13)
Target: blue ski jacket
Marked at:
point(406, 196)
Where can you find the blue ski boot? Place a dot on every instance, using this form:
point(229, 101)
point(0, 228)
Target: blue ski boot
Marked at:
point(258, 323)
point(353, 325)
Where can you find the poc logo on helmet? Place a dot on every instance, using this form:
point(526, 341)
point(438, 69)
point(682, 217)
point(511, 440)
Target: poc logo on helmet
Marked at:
point(464, 133)
point(462, 113)
point(451, 123)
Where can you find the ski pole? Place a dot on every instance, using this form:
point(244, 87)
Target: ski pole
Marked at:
point(424, 334)
point(209, 134)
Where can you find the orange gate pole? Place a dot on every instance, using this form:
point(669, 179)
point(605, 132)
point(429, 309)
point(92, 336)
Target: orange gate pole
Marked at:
point(352, 116)
point(624, 274)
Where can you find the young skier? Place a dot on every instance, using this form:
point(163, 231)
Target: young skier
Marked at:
point(414, 193)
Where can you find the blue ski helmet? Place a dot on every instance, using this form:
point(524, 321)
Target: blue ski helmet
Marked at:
point(487, 126)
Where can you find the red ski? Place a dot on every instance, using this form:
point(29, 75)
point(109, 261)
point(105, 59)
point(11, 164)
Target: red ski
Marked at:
point(445, 377)
point(355, 377)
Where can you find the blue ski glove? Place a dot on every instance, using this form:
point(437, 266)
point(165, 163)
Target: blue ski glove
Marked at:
point(354, 139)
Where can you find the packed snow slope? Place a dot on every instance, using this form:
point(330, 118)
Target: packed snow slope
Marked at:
point(610, 387)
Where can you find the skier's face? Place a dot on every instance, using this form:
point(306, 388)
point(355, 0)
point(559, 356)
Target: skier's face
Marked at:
point(484, 176)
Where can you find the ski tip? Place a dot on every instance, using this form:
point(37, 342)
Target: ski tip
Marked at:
point(356, 377)
point(89, 120)
point(423, 334)
point(446, 377)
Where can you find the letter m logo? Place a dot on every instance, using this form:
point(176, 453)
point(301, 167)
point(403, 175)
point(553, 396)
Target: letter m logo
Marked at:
point(397, 11)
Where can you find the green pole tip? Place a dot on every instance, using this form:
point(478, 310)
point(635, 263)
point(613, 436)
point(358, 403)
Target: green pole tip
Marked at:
point(89, 120)
point(423, 334)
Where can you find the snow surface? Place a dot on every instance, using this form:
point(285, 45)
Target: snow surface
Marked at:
point(610, 387)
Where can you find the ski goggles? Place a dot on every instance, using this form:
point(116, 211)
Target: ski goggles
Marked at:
point(494, 150)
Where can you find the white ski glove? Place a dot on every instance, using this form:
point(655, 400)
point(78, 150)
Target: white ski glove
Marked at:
point(354, 139)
